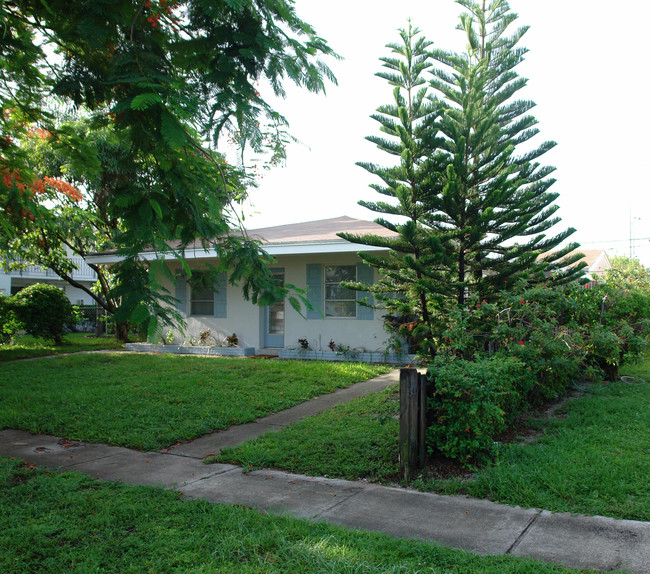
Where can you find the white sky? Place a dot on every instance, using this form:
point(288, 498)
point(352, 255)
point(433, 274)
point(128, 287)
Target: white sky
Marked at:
point(587, 72)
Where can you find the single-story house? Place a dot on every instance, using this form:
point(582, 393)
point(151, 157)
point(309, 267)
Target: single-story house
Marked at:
point(308, 255)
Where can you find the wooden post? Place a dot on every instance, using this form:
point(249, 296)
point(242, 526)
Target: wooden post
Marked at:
point(412, 422)
point(422, 422)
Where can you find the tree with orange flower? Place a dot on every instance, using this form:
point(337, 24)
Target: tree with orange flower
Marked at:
point(173, 79)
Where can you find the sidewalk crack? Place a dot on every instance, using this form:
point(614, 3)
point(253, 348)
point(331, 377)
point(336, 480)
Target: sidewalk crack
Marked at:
point(524, 532)
point(342, 501)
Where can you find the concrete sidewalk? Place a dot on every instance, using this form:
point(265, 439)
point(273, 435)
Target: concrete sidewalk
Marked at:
point(476, 525)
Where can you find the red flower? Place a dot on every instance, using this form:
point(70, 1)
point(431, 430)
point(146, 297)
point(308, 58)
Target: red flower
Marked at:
point(522, 301)
point(521, 342)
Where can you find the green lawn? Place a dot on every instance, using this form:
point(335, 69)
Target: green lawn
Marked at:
point(69, 522)
point(592, 459)
point(355, 440)
point(26, 346)
point(150, 402)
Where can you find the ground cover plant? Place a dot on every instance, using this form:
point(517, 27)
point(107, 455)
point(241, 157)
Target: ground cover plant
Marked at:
point(53, 522)
point(590, 459)
point(150, 402)
point(27, 346)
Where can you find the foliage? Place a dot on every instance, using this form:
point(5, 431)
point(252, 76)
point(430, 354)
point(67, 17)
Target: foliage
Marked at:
point(562, 332)
point(478, 208)
point(9, 323)
point(472, 402)
point(167, 83)
point(561, 335)
point(232, 340)
point(72, 216)
point(161, 399)
point(44, 311)
point(494, 196)
point(627, 273)
point(99, 526)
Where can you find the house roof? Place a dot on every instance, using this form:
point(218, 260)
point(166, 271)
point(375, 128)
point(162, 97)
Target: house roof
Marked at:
point(321, 231)
point(291, 239)
point(596, 259)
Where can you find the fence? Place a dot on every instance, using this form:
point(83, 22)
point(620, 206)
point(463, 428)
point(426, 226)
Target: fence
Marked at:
point(92, 318)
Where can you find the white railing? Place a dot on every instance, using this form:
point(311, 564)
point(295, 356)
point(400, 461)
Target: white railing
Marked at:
point(82, 273)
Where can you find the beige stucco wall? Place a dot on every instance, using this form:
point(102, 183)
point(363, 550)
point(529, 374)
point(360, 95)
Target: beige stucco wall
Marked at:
point(351, 332)
point(246, 319)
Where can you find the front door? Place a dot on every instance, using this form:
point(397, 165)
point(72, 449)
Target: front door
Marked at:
point(274, 319)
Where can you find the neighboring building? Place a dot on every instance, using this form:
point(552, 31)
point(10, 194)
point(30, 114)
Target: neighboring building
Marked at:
point(13, 281)
point(597, 264)
point(309, 256)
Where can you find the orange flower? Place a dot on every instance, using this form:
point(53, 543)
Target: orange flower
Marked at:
point(64, 187)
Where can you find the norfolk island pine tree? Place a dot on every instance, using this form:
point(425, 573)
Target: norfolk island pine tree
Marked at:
point(483, 207)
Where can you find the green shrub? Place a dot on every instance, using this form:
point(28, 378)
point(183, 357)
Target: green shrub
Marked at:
point(44, 311)
point(473, 401)
point(527, 345)
point(562, 333)
point(9, 323)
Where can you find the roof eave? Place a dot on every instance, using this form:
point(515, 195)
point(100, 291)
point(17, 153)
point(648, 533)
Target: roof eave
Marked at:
point(272, 249)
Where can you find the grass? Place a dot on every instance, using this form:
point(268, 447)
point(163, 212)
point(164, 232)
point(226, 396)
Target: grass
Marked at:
point(593, 459)
point(26, 346)
point(354, 440)
point(149, 402)
point(53, 522)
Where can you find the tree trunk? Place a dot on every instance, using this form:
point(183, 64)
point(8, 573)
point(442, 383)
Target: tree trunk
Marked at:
point(122, 332)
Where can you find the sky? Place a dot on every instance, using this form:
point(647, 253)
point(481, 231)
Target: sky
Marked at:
point(587, 73)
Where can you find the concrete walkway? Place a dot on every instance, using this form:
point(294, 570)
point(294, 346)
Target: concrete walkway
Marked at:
point(476, 525)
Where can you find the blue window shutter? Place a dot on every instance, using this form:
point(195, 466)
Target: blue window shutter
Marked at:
point(180, 292)
point(365, 275)
point(315, 290)
point(220, 296)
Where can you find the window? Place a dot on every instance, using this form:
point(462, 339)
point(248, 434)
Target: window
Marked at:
point(330, 300)
point(208, 295)
point(340, 301)
point(201, 295)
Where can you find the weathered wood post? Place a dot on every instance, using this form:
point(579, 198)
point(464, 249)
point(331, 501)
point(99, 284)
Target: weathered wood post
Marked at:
point(99, 324)
point(412, 422)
